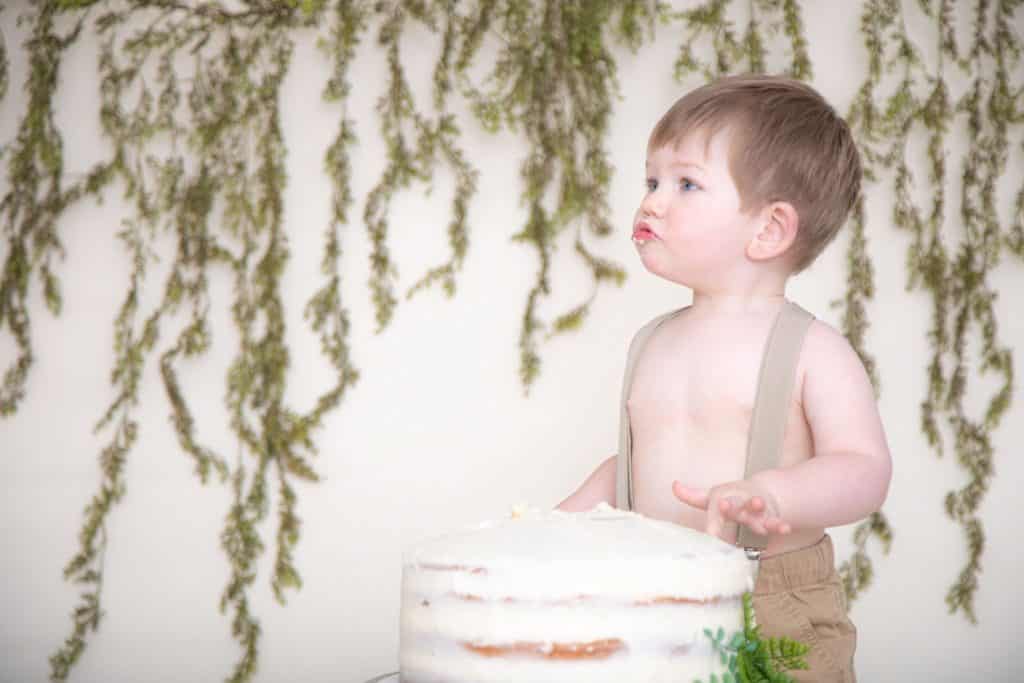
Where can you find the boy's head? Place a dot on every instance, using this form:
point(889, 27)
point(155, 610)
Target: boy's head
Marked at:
point(783, 144)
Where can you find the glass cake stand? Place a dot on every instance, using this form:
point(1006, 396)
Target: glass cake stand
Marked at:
point(385, 678)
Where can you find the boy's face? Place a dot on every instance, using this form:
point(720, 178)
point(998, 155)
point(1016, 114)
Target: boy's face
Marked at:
point(689, 227)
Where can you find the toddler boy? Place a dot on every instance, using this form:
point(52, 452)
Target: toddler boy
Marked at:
point(748, 179)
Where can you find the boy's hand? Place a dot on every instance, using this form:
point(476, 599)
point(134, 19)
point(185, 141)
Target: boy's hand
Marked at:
point(741, 502)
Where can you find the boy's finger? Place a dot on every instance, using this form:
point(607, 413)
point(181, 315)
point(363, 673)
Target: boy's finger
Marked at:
point(714, 524)
point(753, 522)
point(777, 526)
point(755, 504)
point(698, 498)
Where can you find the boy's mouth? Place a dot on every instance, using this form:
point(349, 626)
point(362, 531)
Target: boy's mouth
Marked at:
point(642, 232)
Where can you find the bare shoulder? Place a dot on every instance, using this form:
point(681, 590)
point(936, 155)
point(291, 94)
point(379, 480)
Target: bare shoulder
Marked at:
point(838, 398)
point(827, 352)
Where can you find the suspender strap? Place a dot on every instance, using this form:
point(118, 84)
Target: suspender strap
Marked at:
point(771, 405)
point(624, 459)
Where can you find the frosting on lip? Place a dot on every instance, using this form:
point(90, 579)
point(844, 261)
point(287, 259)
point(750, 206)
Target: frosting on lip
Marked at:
point(642, 232)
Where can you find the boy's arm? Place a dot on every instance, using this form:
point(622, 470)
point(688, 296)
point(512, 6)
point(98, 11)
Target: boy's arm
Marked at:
point(848, 476)
point(599, 487)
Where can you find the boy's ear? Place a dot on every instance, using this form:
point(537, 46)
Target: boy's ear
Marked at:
point(776, 233)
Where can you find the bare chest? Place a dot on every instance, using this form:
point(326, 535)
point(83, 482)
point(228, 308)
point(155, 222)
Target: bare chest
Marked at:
point(690, 408)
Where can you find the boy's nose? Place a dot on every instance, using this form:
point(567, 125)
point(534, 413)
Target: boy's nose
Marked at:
point(653, 204)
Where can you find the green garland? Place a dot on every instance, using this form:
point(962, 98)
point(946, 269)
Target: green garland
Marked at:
point(202, 160)
point(3, 71)
point(863, 117)
point(956, 278)
point(732, 54)
point(555, 78)
point(434, 141)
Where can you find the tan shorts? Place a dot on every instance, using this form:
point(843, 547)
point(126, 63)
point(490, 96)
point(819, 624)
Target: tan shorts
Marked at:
point(798, 594)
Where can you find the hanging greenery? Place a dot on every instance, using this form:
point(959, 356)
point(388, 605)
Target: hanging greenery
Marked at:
point(190, 111)
point(554, 77)
point(709, 20)
point(864, 119)
point(3, 71)
point(216, 184)
point(956, 277)
point(435, 141)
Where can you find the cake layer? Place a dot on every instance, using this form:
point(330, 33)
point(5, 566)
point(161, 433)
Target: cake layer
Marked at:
point(446, 616)
point(449, 664)
point(568, 597)
point(556, 555)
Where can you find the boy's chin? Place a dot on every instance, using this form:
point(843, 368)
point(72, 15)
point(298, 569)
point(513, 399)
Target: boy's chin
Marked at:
point(655, 267)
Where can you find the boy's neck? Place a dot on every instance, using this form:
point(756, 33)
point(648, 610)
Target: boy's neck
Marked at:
point(761, 298)
point(754, 289)
point(732, 304)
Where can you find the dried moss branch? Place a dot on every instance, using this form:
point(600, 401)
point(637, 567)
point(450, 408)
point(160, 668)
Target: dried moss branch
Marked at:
point(879, 20)
point(29, 212)
point(709, 19)
point(434, 141)
point(237, 143)
point(131, 346)
point(554, 78)
point(637, 18)
point(708, 22)
point(958, 285)
point(439, 141)
point(4, 69)
point(34, 199)
point(990, 110)
point(207, 164)
point(129, 133)
point(324, 311)
point(189, 281)
point(250, 74)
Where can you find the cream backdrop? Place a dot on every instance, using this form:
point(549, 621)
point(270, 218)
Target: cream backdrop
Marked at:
point(438, 432)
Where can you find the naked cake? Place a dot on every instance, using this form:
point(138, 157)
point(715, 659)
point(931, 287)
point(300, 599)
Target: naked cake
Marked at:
point(604, 595)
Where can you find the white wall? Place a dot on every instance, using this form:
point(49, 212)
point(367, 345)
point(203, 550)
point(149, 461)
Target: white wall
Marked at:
point(438, 432)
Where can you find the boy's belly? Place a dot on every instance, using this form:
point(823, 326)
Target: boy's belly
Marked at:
point(691, 455)
point(704, 457)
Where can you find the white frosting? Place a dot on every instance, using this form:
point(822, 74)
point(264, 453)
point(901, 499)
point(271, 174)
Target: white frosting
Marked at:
point(487, 603)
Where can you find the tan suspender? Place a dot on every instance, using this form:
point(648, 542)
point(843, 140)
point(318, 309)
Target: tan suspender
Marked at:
point(771, 404)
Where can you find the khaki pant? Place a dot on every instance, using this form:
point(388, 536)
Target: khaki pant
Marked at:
point(799, 595)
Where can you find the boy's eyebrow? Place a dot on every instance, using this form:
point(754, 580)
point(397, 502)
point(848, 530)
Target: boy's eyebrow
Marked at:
point(679, 164)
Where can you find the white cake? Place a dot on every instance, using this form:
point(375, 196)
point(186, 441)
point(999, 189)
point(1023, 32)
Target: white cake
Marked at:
point(545, 597)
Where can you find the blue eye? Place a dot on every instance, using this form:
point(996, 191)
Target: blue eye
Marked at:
point(687, 185)
point(651, 184)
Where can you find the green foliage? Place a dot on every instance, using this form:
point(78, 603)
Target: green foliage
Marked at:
point(733, 53)
point(749, 658)
point(554, 79)
point(4, 68)
point(954, 276)
point(200, 159)
point(33, 201)
point(235, 153)
point(990, 108)
point(865, 121)
point(434, 141)
point(858, 571)
point(324, 310)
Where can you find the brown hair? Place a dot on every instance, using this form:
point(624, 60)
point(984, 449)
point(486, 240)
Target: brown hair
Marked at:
point(787, 144)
